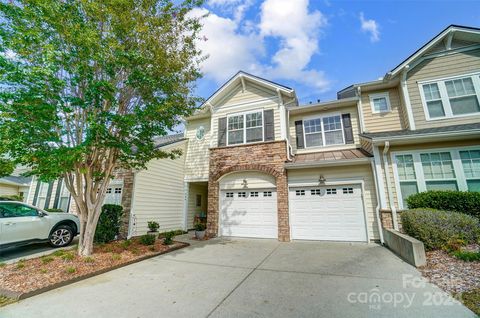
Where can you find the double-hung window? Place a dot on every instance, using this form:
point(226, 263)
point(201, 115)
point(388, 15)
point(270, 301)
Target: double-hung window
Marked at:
point(451, 97)
point(323, 131)
point(245, 128)
point(444, 169)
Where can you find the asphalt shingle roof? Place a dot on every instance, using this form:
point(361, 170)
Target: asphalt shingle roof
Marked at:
point(167, 140)
point(331, 155)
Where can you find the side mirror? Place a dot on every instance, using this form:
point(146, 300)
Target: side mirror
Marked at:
point(41, 214)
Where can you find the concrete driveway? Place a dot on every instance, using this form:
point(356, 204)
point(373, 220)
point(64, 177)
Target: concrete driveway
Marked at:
point(252, 278)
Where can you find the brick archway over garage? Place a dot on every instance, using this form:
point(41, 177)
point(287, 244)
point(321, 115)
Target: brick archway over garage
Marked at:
point(269, 158)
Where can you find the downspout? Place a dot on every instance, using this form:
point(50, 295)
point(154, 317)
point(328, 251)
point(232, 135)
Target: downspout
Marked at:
point(360, 110)
point(389, 186)
point(377, 208)
point(284, 120)
point(406, 98)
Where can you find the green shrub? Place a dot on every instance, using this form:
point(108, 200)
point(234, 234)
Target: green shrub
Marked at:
point(88, 259)
point(58, 253)
point(147, 239)
point(116, 256)
point(200, 226)
point(47, 259)
point(109, 223)
point(456, 201)
point(68, 256)
point(126, 244)
point(153, 226)
point(467, 256)
point(168, 237)
point(70, 270)
point(437, 228)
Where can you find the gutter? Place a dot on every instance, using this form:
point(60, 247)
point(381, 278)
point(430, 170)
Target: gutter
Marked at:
point(377, 208)
point(386, 168)
point(380, 140)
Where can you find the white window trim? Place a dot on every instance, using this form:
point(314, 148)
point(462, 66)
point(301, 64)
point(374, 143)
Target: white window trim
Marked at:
point(244, 114)
point(420, 178)
point(444, 95)
point(323, 130)
point(385, 95)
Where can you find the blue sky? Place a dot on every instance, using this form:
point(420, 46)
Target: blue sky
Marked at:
point(319, 47)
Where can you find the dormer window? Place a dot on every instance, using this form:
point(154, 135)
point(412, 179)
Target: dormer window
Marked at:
point(451, 97)
point(380, 103)
point(245, 128)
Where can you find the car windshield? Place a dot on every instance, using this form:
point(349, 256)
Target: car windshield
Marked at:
point(12, 209)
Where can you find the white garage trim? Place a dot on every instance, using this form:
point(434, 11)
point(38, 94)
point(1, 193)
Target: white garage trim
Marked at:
point(342, 182)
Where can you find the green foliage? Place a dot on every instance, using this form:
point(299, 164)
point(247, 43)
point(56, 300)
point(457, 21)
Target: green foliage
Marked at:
point(471, 299)
point(68, 257)
point(88, 259)
point(168, 237)
point(6, 167)
point(4, 300)
point(467, 256)
point(108, 226)
point(2, 264)
point(147, 239)
point(20, 264)
point(70, 270)
point(58, 253)
point(153, 226)
point(47, 259)
point(116, 256)
point(437, 228)
point(11, 197)
point(43, 270)
point(454, 244)
point(126, 244)
point(457, 201)
point(200, 226)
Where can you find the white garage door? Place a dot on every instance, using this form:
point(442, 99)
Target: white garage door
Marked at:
point(249, 213)
point(333, 213)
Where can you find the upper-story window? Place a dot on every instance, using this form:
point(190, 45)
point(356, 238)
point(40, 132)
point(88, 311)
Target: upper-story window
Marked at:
point(246, 127)
point(451, 97)
point(380, 103)
point(323, 131)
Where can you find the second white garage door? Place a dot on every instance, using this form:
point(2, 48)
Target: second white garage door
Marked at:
point(249, 213)
point(333, 213)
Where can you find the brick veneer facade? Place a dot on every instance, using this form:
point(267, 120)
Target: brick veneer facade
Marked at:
point(127, 176)
point(269, 158)
point(387, 219)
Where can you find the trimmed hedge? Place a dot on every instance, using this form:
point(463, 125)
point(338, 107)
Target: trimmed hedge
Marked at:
point(457, 201)
point(109, 223)
point(437, 228)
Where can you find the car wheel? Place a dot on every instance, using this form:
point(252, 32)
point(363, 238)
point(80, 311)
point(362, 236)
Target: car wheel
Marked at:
point(61, 236)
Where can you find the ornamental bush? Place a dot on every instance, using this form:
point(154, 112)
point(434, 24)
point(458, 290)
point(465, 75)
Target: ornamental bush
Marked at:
point(109, 223)
point(437, 228)
point(457, 201)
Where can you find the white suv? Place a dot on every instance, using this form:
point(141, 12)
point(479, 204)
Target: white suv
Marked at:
point(22, 224)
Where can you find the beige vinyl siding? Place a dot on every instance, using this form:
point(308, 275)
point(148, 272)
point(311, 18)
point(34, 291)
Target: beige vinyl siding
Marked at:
point(345, 110)
point(344, 173)
point(433, 145)
point(158, 194)
point(8, 189)
point(403, 110)
point(255, 180)
point(33, 187)
point(194, 190)
point(392, 120)
point(436, 68)
point(238, 101)
point(197, 153)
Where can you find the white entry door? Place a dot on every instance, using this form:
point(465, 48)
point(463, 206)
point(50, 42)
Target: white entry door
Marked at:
point(333, 213)
point(249, 213)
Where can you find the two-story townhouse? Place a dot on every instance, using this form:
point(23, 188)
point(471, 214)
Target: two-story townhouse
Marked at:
point(338, 170)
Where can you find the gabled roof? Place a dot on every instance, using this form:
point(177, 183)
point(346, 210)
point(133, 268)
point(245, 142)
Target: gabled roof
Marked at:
point(241, 76)
point(439, 37)
point(168, 140)
point(16, 180)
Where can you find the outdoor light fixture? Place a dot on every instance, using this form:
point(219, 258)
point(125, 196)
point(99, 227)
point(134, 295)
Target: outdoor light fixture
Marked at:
point(322, 179)
point(245, 183)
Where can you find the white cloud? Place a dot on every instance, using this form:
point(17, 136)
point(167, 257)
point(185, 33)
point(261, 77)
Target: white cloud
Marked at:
point(298, 31)
point(228, 49)
point(370, 26)
point(235, 43)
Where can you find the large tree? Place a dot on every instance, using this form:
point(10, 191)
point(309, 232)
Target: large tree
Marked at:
point(86, 85)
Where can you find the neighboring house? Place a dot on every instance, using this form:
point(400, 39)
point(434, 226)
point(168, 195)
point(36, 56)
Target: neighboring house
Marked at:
point(151, 194)
point(15, 184)
point(260, 165)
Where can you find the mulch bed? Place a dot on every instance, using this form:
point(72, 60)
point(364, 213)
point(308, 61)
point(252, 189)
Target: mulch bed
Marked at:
point(451, 274)
point(24, 278)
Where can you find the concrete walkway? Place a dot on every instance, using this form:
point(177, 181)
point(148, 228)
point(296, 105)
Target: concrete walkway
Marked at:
point(252, 278)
